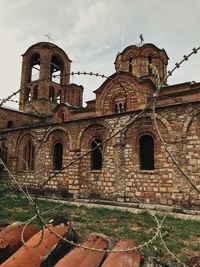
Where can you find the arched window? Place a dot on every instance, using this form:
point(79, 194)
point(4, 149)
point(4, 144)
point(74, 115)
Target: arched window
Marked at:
point(62, 116)
point(96, 154)
point(130, 66)
point(10, 124)
point(29, 155)
point(51, 94)
point(146, 150)
point(27, 94)
point(120, 103)
point(116, 108)
point(58, 98)
point(3, 154)
point(56, 69)
point(35, 67)
point(150, 62)
point(35, 92)
point(57, 156)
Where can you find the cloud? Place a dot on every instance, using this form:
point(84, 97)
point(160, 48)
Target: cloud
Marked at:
point(92, 32)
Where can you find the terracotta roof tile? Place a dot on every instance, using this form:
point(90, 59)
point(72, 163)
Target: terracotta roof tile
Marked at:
point(33, 255)
point(125, 259)
point(10, 239)
point(81, 257)
point(46, 250)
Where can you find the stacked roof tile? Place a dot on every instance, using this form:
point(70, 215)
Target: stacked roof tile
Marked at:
point(23, 246)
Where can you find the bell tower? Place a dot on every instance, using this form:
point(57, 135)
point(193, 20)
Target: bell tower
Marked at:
point(138, 59)
point(45, 74)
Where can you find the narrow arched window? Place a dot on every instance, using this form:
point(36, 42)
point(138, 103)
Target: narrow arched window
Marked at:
point(146, 150)
point(35, 92)
point(57, 156)
point(116, 108)
point(130, 66)
point(35, 67)
point(10, 124)
point(51, 94)
point(58, 98)
point(56, 69)
point(96, 154)
point(149, 67)
point(62, 116)
point(119, 103)
point(27, 94)
point(29, 156)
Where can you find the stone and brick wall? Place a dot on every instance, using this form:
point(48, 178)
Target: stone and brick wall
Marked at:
point(121, 174)
point(121, 177)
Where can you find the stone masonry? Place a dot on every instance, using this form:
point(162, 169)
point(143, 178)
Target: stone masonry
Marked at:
point(53, 133)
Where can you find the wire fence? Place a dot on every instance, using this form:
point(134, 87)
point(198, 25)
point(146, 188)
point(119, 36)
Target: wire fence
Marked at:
point(118, 129)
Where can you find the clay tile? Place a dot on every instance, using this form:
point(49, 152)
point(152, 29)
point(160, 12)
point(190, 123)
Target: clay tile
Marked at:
point(3, 243)
point(10, 239)
point(81, 257)
point(125, 259)
point(35, 252)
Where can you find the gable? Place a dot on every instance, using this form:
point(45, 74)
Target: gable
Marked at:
point(122, 92)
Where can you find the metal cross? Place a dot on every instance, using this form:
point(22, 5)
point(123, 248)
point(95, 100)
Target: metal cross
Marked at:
point(48, 35)
point(141, 38)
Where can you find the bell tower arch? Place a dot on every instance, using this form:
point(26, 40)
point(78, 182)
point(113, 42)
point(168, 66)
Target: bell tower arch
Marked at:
point(45, 74)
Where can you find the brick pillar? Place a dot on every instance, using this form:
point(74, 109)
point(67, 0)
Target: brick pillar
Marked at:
point(74, 185)
point(120, 170)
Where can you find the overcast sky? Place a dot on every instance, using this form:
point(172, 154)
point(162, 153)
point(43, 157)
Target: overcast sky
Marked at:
point(91, 32)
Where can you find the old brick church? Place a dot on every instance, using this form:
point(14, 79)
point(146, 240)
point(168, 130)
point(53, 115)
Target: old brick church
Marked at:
point(55, 143)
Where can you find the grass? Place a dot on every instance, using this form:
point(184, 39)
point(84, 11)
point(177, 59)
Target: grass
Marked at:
point(182, 237)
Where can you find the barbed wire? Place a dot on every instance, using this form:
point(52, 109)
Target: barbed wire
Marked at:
point(114, 132)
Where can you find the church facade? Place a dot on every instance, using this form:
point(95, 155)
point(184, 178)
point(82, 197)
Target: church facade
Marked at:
point(109, 149)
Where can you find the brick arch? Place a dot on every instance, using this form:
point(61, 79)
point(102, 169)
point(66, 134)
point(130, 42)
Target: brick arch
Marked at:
point(96, 130)
point(21, 137)
point(160, 118)
point(29, 59)
point(188, 122)
point(81, 133)
point(139, 130)
point(61, 57)
point(63, 62)
point(131, 53)
point(167, 125)
point(146, 132)
point(123, 95)
point(60, 108)
point(60, 137)
point(57, 135)
point(29, 56)
point(61, 129)
point(126, 88)
point(138, 133)
point(20, 145)
point(132, 136)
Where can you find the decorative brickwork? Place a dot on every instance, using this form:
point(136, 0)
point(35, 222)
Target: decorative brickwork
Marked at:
point(52, 113)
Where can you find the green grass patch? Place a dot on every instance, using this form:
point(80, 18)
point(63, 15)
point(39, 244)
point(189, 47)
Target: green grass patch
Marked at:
point(181, 236)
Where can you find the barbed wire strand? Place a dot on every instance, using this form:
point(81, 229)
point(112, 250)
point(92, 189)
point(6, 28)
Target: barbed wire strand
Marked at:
point(155, 97)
